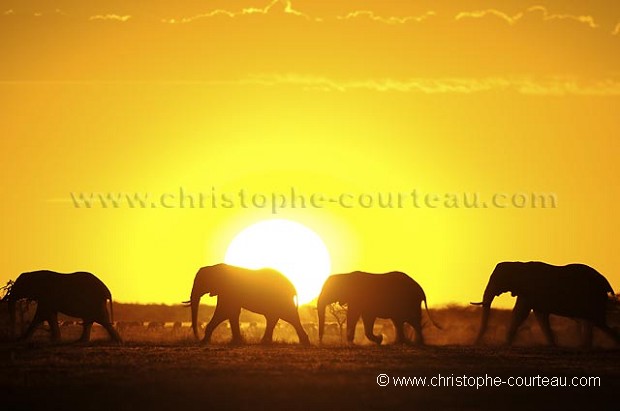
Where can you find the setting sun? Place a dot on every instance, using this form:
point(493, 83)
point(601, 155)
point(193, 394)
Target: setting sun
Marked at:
point(289, 247)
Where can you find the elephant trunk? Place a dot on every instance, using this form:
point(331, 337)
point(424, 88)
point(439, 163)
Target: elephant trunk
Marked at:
point(195, 304)
point(198, 290)
point(321, 305)
point(12, 317)
point(488, 297)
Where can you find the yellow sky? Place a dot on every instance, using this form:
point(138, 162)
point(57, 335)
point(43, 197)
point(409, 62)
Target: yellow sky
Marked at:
point(330, 97)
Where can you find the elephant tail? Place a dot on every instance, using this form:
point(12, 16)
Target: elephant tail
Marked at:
point(429, 315)
point(610, 290)
point(111, 310)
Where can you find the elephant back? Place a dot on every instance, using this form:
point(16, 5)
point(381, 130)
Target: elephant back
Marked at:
point(90, 284)
point(268, 282)
point(386, 288)
point(270, 279)
point(574, 290)
point(82, 285)
point(409, 285)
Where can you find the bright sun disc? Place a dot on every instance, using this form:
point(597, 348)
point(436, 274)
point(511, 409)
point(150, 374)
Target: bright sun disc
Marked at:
point(287, 246)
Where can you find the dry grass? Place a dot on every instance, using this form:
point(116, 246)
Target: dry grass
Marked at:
point(164, 368)
point(184, 375)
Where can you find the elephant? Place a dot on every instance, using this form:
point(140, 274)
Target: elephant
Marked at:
point(392, 295)
point(264, 291)
point(574, 290)
point(79, 294)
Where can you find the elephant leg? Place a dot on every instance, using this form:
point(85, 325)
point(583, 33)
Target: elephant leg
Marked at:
point(52, 320)
point(271, 324)
point(609, 331)
point(111, 331)
point(543, 320)
point(293, 319)
point(399, 327)
point(417, 326)
point(369, 324)
point(586, 326)
point(36, 321)
point(519, 314)
point(87, 327)
point(218, 317)
point(352, 318)
point(103, 318)
point(235, 328)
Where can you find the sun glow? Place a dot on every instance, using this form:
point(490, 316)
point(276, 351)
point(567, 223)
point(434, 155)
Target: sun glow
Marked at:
point(287, 246)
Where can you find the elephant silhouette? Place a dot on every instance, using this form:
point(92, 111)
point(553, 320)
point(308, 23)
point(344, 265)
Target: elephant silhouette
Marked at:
point(265, 291)
point(79, 294)
point(392, 295)
point(574, 290)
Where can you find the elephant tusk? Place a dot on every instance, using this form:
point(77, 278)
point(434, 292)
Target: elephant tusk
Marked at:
point(478, 304)
point(186, 303)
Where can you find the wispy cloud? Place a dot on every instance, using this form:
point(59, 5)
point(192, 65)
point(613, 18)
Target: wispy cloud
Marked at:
point(587, 20)
point(551, 86)
point(11, 12)
point(477, 14)
point(112, 17)
point(387, 20)
point(286, 8)
point(561, 87)
point(616, 30)
point(513, 19)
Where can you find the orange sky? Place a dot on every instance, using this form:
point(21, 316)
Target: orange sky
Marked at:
point(332, 97)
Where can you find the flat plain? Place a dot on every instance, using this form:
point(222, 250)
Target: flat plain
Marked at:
point(184, 375)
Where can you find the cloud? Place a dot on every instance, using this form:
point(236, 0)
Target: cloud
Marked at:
point(287, 8)
point(587, 20)
point(11, 12)
point(477, 14)
point(449, 85)
point(512, 20)
point(110, 17)
point(528, 86)
point(387, 20)
point(570, 87)
point(616, 30)
point(280, 36)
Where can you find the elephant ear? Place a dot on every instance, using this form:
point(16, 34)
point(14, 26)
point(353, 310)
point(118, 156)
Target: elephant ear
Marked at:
point(507, 277)
point(219, 280)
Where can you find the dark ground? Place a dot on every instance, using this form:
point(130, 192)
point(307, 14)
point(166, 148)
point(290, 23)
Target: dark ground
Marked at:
point(185, 376)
